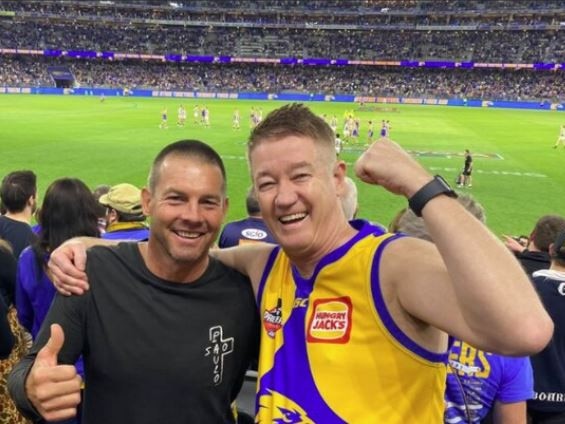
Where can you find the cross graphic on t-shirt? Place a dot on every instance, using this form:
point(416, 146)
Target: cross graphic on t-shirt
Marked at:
point(219, 348)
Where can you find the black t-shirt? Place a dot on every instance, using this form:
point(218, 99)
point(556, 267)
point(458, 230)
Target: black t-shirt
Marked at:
point(468, 163)
point(17, 233)
point(155, 351)
point(8, 266)
point(548, 365)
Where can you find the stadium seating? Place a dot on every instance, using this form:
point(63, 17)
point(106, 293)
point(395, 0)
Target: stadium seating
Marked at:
point(365, 30)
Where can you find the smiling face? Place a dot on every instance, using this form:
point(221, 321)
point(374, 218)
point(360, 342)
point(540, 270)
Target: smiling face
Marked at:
point(297, 181)
point(187, 206)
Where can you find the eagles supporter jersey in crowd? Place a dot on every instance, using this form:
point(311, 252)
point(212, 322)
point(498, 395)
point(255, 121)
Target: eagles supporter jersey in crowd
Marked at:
point(476, 380)
point(330, 351)
point(248, 230)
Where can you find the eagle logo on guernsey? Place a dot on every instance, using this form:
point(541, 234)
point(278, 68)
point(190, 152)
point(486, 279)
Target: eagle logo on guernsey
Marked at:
point(330, 320)
point(272, 411)
point(272, 319)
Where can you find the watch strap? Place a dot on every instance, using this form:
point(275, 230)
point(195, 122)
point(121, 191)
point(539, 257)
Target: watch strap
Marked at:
point(437, 186)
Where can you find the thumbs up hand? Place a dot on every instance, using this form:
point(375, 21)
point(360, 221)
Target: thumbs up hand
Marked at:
point(54, 390)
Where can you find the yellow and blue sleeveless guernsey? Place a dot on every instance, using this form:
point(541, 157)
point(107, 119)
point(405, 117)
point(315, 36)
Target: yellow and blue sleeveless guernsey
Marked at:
point(330, 351)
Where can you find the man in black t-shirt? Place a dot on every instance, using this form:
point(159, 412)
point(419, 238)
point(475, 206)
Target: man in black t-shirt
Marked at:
point(166, 332)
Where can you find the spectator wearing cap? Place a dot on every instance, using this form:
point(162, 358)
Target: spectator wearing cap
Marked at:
point(548, 405)
point(124, 216)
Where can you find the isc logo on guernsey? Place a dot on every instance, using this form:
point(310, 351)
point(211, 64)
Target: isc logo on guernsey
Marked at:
point(254, 234)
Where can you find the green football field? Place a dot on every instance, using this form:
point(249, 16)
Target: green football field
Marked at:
point(518, 176)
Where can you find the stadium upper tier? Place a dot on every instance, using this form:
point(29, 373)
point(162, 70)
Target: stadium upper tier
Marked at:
point(508, 31)
point(495, 46)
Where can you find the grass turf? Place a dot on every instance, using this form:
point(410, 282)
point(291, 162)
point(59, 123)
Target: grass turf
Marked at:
point(517, 177)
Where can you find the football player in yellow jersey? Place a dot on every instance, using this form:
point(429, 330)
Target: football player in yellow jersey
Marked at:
point(355, 321)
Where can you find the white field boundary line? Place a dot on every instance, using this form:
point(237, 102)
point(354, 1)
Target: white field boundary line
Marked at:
point(438, 169)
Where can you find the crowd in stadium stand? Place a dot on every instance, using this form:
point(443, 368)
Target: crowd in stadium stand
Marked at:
point(479, 46)
point(359, 80)
point(292, 28)
point(148, 9)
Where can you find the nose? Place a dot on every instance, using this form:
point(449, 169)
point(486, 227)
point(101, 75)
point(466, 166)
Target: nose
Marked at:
point(191, 212)
point(286, 195)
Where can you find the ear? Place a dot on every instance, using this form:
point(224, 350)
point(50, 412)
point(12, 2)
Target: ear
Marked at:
point(339, 174)
point(145, 201)
point(111, 216)
point(226, 205)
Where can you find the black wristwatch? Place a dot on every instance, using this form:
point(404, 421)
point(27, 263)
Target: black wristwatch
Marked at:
point(432, 189)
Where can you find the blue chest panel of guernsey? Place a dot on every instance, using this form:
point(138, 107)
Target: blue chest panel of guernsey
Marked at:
point(330, 351)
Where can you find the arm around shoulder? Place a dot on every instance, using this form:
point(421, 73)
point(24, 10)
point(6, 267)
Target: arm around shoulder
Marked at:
point(67, 264)
point(249, 260)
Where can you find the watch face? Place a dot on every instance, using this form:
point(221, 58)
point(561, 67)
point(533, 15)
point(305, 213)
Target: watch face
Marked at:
point(440, 179)
point(448, 190)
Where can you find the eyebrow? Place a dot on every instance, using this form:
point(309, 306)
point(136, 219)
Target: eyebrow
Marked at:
point(172, 190)
point(293, 167)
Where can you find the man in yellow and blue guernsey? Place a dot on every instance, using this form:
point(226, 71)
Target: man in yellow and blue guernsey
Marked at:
point(355, 320)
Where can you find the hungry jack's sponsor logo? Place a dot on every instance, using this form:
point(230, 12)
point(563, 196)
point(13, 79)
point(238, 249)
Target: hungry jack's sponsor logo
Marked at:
point(330, 320)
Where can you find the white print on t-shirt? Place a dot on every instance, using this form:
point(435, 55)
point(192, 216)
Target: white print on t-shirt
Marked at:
point(218, 349)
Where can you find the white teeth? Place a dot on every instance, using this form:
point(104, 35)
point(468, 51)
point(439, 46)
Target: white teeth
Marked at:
point(293, 217)
point(187, 234)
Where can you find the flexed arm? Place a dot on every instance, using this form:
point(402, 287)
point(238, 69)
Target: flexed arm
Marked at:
point(468, 284)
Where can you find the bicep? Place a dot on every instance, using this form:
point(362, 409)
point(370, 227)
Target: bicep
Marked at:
point(250, 260)
point(423, 288)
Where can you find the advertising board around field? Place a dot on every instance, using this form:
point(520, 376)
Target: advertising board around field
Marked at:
point(285, 97)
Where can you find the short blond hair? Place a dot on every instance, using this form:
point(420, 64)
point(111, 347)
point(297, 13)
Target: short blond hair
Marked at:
point(293, 119)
